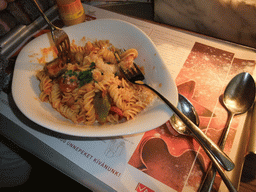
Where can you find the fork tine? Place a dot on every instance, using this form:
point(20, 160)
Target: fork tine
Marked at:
point(63, 46)
point(133, 74)
point(67, 43)
point(126, 73)
point(139, 74)
point(123, 72)
point(137, 68)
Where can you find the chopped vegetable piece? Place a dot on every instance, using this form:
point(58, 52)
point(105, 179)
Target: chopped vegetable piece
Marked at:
point(116, 110)
point(55, 68)
point(93, 65)
point(67, 83)
point(102, 106)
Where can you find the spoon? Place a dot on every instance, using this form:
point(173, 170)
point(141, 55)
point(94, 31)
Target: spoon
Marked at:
point(238, 98)
point(187, 109)
point(212, 149)
point(178, 125)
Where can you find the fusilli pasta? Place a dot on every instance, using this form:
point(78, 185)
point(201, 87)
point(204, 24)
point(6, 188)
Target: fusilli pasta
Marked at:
point(90, 88)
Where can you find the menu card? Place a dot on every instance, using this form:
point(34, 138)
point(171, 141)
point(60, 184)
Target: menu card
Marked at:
point(160, 160)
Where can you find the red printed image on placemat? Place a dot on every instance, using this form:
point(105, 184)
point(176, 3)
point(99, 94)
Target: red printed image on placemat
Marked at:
point(177, 160)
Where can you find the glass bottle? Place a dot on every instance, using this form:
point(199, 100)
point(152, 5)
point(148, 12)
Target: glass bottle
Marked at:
point(71, 11)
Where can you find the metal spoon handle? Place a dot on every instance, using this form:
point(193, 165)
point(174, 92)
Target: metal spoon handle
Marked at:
point(224, 136)
point(224, 177)
point(209, 178)
point(205, 142)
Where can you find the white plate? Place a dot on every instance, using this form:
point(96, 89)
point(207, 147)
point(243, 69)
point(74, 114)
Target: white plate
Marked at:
point(25, 87)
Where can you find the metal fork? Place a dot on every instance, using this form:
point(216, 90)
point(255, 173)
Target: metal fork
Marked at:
point(135, 76)
point(59, 36)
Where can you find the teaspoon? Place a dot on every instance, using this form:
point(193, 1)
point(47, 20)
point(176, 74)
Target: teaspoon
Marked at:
point(178, 125)
point(238, 98)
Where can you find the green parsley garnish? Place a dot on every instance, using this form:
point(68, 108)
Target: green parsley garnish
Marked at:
point(92, 66)
point(84, 77)
point(69, 73)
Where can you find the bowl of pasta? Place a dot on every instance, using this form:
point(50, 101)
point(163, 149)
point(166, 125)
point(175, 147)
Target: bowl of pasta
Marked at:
point(85, 94)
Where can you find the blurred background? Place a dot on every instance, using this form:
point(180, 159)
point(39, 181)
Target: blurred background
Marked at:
point(229, 20)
